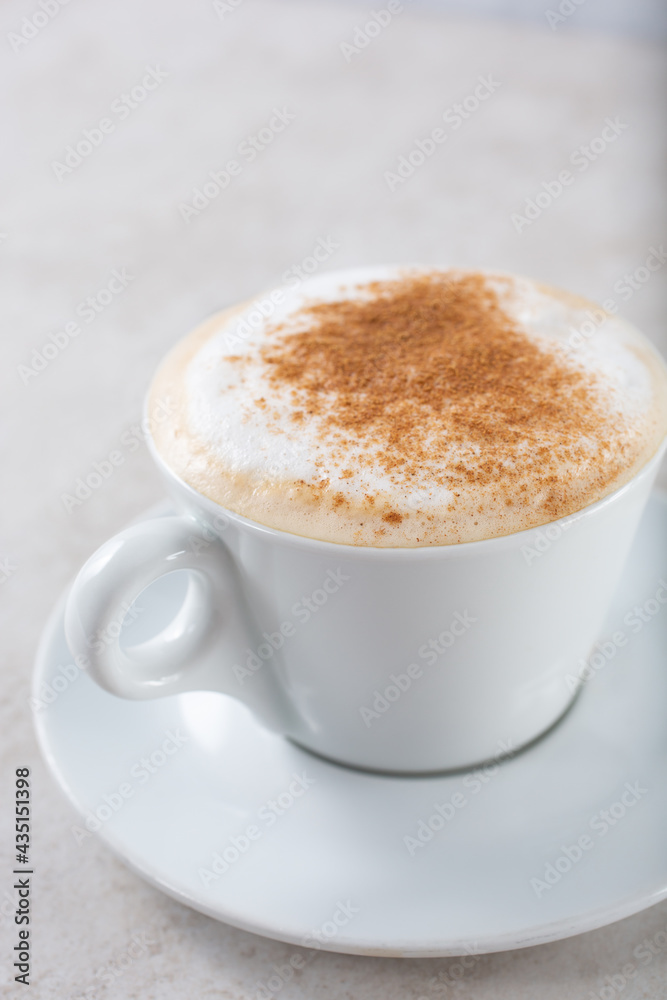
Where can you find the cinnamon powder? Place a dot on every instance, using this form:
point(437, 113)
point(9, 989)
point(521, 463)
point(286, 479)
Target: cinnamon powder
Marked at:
point(430, 363)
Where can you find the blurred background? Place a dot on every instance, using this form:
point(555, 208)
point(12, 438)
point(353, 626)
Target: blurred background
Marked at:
point(164, 159)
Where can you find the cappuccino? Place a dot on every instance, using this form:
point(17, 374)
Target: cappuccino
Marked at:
point(407, 406)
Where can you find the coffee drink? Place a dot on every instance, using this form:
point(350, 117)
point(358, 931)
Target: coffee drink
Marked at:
point(406, 406)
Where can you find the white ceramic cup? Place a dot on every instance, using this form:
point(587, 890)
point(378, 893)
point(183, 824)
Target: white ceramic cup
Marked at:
point(404, 660)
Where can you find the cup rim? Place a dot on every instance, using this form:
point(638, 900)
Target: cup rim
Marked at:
point(451, 550)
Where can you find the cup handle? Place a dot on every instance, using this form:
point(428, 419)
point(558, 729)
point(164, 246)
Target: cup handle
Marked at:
point(194, 652)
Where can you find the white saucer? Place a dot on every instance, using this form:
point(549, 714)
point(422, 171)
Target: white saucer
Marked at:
point(333, 870)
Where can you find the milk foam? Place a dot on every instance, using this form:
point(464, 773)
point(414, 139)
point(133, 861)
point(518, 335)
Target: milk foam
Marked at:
point(234, 438)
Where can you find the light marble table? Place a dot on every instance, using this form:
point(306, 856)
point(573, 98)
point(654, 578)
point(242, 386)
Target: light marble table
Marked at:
point(213, 78)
